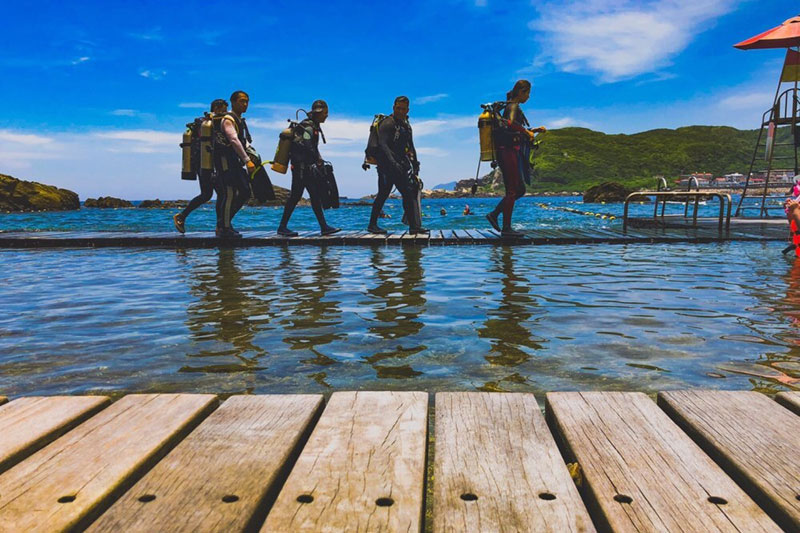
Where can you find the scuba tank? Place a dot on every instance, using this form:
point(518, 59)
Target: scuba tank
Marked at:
point(187, 172)
point(485, 130)
point(206, 147)
point(372, 142)
point(280, 163)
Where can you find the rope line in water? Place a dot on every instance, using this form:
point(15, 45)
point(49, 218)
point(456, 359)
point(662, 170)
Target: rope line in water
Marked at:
point(604, 216)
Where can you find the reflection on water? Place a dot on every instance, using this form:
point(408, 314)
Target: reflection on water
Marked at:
point(509, 328)
point(307, 318)
point(398, 298)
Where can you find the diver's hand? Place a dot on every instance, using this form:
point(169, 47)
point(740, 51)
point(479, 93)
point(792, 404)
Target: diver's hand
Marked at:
point(540, 129)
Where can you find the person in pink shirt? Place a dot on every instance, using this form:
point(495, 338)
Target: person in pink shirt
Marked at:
point(232, 163)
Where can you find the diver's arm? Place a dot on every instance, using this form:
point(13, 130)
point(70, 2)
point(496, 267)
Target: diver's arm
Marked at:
point(413, 150)
point(233, 138)
point(511, 118)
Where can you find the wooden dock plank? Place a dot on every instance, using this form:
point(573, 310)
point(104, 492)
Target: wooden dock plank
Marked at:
point(223, 473)
point(790, 400)
point(62, 486)
point(642, 473)
point(27, 424)
point(754, 439)
point(497, 468)
point(462, 236)
point(362, 469)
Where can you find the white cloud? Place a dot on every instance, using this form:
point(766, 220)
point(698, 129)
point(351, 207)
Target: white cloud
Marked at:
point(124, 112)
point(748, 101)
point(620, 39)
point(153, 74)
point(140, 141)
point(153, 34)
point(192, 105)
point(81, 60)
point(434, 152)
point(349, 154)
point(432, 98)
point(439, 125)
point(26, 139)
point(566, 122)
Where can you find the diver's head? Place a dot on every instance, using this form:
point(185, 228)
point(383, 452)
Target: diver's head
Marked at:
point(400, 108)
point(239, 102)
point(319, 111)
point(521, 92)
point(219, 106)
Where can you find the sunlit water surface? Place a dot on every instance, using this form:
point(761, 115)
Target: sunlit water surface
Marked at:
point(309, 318)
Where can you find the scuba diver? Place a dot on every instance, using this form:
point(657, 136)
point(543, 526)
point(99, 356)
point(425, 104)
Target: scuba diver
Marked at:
point(231, 162)
point(398, 166)
point(304, 156)
point(208, 182)
point(513, 144)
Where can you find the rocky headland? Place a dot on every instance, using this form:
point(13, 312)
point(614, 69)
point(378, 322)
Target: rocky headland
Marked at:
point(19, 196)
point(106, 202)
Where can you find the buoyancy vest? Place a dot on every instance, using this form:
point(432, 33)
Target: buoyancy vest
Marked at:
point(223, 148)
point(400, 140)
point(305, 143)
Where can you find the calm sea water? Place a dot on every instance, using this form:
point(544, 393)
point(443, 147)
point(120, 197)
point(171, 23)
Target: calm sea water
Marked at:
point(530, 212)
point(308, 318)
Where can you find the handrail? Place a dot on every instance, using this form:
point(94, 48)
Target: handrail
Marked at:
point(723, 198)
point(661, 181)
point(696, 199)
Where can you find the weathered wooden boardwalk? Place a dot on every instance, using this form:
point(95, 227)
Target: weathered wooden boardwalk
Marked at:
point(694, 461)
point(704, 233)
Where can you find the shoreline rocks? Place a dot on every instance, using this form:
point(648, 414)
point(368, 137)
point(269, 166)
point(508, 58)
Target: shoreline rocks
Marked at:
point(20, 196)
point(606, 192)
point(166, 204)
point(106, 202)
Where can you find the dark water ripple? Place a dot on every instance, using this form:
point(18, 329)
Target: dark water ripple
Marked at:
point(303, 319)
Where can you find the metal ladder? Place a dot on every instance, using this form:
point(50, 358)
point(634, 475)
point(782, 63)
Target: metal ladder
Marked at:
point(779, 159)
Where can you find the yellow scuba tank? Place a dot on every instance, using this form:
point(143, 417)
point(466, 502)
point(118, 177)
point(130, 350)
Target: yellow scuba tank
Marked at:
point(206, 155)
point(187, 172)
point(280, 163)
point(485, 126)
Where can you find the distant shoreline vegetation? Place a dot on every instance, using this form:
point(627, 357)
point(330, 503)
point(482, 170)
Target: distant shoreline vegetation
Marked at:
point(575, 159)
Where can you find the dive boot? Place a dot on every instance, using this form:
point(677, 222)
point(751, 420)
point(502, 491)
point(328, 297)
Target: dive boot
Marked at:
point(508, 232)
point(492, 218)
point(374, 228)
point(180, 222)
point(417, 231)
point(286, 232)
point(330, 230)
point(228, 233)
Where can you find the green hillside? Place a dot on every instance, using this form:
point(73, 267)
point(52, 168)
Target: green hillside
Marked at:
point(574, 159)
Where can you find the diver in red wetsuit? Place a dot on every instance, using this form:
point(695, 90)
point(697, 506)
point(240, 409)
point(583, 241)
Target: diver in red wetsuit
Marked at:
point(513, 145)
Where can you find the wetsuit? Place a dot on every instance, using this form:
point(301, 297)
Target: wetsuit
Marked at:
point(396, 156)
point(231, 138)
point(513, 147)
point(304, 155)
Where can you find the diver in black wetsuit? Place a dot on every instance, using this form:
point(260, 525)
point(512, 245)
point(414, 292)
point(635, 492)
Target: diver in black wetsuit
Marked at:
point(304, 155)
point(208, 183)
point(397, 167)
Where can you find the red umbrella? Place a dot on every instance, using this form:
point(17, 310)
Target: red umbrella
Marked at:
point(783, 36)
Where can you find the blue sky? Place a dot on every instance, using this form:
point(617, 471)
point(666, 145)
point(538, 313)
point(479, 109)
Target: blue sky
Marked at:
point(97, 94)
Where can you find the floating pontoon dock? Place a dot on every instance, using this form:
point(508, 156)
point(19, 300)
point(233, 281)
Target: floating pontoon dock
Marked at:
point(644, 231)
